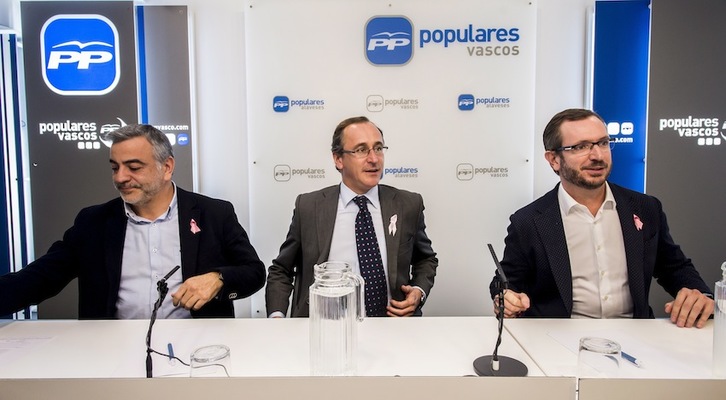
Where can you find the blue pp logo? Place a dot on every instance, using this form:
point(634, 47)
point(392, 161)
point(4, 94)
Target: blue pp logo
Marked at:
point(79, 53)
point(466, 102)
point(280, 104)
point(183, 139)
point(389, 40)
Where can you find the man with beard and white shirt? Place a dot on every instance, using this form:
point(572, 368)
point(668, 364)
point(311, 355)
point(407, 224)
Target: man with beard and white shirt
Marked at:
point(590, 248)
point(119, 250)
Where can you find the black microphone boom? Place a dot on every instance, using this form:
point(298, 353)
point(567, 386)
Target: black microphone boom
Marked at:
point(163, 289)
point(496, 365)
point(167, 276)
point(502, 277)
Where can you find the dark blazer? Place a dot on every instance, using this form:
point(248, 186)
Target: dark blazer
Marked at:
point(411, 260)
point(92, 251)
point(536, 260)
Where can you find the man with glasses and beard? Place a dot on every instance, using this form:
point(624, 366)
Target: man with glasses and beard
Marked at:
point(589, 248)
point(397, 262)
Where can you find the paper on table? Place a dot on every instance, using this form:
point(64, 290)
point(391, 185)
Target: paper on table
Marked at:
point(11, 348)
point(656, 363)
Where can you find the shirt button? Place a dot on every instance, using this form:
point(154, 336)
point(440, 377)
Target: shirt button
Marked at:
point(605, 298)
point(154, 250)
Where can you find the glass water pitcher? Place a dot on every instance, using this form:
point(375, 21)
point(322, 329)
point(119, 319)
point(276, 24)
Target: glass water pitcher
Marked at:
point(336, 307)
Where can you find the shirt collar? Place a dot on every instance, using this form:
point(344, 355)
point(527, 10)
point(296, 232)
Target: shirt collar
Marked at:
point(347, 195)
point(567, 203)
point(131, 215)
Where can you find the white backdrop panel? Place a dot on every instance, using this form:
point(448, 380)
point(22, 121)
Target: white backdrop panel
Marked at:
point(471, 162)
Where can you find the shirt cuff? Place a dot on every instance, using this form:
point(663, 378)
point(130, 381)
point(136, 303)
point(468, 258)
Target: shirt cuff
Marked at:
point(423, 294)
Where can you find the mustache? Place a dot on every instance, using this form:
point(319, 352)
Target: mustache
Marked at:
point(123, 186)
point(596, 164)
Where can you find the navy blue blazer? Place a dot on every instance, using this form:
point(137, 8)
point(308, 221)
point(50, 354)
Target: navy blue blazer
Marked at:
point(536, 260)
point(92, 250)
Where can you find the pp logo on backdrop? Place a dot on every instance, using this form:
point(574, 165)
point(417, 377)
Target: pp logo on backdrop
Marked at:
point(616, 128)
point(280, 104)
point(282, 173)
point(80, 54)
point(389, 40)
point(466, 102)
point(464, 172)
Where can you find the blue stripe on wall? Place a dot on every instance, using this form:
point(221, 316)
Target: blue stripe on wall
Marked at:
point(141, 47)
point(620, 84)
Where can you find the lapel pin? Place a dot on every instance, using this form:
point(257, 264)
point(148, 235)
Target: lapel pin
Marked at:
point(638, 222)
point(194, 227)
point(392, 225)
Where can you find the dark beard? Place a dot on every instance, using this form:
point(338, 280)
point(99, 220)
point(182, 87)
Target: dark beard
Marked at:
point(573, 176)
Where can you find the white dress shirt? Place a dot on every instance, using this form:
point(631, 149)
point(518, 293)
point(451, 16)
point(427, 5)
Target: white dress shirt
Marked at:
point(597, 259)
point(343, 245)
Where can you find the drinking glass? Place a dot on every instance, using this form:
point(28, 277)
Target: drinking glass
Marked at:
point(210, 361)
point(598, 357)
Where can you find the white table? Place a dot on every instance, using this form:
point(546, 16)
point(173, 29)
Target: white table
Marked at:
point(398, 358)
point(435, 346)
point(665, 350)
point(676, 361)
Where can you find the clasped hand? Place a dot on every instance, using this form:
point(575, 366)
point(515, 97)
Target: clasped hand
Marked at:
point(408, 306)
point(514, 304)
point(197, 291)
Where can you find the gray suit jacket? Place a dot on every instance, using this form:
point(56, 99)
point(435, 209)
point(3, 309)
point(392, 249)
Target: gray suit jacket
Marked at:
point(411, 260)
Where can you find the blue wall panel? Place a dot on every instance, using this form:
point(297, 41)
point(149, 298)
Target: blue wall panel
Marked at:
point(620, 84)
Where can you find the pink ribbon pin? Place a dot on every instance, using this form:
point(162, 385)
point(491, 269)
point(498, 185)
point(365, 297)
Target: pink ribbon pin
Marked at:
point(638, 222)
point(194, 227)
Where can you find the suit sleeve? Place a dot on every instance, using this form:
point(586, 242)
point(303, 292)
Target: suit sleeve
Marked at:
point(515, 262)
point(281, 273)
point(423, 259)
point(44, 277)
point(244, 273)
point(673, 270)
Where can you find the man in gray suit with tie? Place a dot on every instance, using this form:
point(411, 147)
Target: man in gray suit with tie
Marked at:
point(325, 226)
point(590, 248)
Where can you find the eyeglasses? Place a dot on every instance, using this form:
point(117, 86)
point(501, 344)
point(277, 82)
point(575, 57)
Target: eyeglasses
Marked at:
point(362, 152)
point(586, 147)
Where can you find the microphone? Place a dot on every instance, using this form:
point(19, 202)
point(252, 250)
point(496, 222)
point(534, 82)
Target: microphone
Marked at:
point(503, 281)
point(496, 365)
point(167, 276)
point(163, 289)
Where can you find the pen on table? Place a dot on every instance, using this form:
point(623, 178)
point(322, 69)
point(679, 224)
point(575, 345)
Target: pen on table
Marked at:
point(629, 358)
point(170, 349)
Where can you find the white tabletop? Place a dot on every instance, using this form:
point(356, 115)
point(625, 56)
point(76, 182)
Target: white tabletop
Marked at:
point(428, 346)
point(665, 350)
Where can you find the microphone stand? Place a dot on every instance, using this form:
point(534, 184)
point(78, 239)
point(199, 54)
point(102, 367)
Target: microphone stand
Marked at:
point(496, 365)
point(163, 289)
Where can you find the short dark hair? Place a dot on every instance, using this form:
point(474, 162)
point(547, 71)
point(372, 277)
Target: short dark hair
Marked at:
point(337, 145)
point(159, 142)
point(552, 137)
